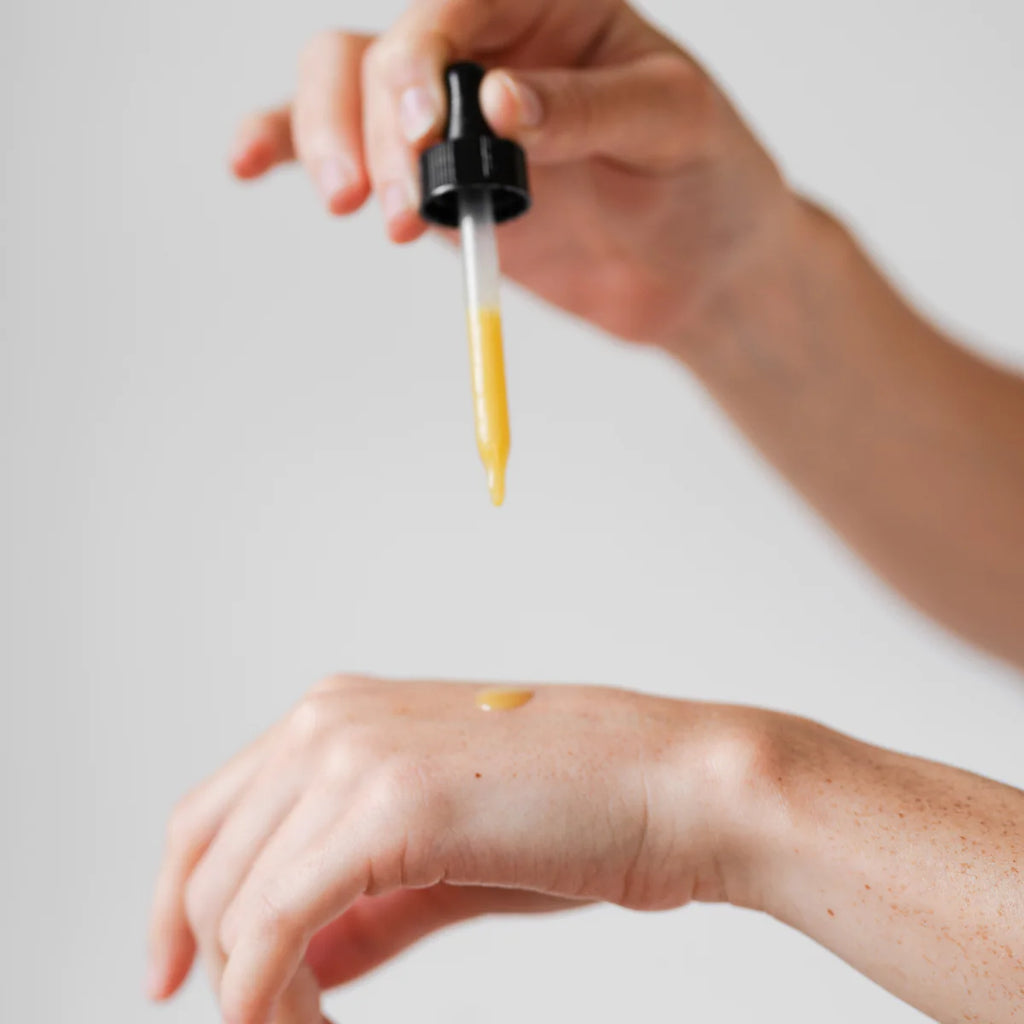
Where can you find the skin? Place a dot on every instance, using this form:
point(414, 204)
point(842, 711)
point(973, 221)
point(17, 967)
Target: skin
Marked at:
point(379, 812)
point(659, 218)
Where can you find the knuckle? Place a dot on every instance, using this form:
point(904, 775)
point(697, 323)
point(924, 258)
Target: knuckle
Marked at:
point(261, 915)
point(393, 58)
point(580, 108)
point(674, 74)
point(274, 922)
point(404, 786)
point(338, 682)
point(691, 97)
point(229, 928)
point(309, 721)
point(342, 761)
point(198, 904)
point(320, 48)
point(376, 58)
point(359, 749)
point(226, 930)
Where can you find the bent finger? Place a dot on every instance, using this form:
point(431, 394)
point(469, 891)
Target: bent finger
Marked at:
point(327, 123)
point(263, 141)
point(403, 100)
point(267, 932)
point(191, 829)
point(239, 840)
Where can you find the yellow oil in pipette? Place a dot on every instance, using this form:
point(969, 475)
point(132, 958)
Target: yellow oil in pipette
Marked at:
point(481, 277)
point(490, 403)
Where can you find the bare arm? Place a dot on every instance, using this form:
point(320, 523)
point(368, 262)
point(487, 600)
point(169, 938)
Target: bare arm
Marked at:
point(910, 446)
point(660, 218)
point(381, 811)
point(910, 871)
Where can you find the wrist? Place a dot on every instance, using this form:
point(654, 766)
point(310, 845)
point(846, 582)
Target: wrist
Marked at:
point(761, 315)
point(760, 765)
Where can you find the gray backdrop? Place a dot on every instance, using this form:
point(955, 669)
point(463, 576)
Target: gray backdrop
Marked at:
point(236, 454)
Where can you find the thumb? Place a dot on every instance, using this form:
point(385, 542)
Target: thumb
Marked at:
point(654, 114)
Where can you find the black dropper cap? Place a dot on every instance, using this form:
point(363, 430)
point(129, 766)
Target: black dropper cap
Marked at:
point(471, 156)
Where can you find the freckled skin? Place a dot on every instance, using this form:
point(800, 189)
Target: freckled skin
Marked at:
point(358, 813)
point(908, 870)
point(658, 218)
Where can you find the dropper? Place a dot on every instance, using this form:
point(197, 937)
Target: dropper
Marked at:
point(474, 180)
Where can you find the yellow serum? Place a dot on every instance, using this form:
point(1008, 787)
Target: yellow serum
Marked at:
point(490, 404)
point(503, 698)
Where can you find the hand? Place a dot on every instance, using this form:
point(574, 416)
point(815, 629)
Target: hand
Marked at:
point(653, 202)
point(380, 811)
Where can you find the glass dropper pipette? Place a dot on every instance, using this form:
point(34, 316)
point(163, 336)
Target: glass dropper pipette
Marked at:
point(473, 180)
point(483, 317)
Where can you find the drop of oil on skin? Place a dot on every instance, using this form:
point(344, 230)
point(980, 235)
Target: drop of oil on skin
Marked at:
point(503, 699)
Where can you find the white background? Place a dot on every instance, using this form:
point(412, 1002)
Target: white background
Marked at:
point(236, 454)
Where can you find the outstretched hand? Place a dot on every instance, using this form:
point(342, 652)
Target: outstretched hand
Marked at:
point(380, 811)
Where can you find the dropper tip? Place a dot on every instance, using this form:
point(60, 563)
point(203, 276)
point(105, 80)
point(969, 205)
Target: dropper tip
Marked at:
point(496, 484)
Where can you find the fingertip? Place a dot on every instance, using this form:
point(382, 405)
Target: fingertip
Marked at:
point(342, 185)
point(347, 200)
point(420, 113)
point(168, 969)
point(252, 160)
point(509, 104)
point(262, 141)
point(155, 984)
point(158, 989)
point(406, 227)
point(498, 101)
point(161, 984)
point(400, 206)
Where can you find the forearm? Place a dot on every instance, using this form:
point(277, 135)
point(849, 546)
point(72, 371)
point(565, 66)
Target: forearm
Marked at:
point(911, 447)
point(912, 872)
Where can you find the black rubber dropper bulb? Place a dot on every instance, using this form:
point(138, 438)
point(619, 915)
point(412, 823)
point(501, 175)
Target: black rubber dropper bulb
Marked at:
point(471, 156)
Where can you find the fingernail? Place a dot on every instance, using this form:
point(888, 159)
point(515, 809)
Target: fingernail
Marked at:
point(531, 110)
point(394, 200)
point(335, 174)
point(417, 112)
